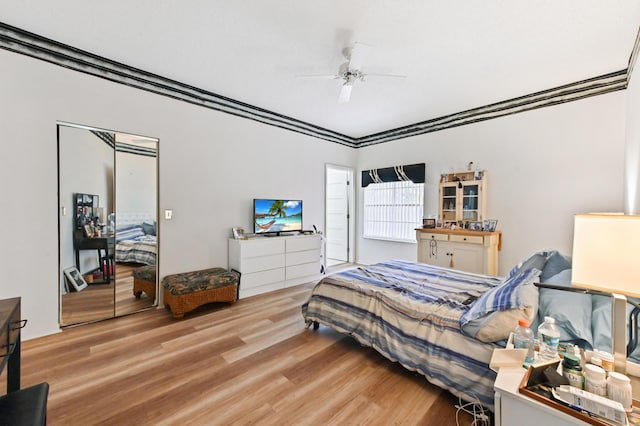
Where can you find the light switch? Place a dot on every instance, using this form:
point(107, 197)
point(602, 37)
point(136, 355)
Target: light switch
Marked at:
point(168, 214)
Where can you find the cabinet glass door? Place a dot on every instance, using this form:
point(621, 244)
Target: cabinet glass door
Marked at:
point(449, 202)
point(470, 203)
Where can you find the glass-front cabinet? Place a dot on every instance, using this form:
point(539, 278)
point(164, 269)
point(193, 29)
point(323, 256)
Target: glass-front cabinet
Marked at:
point(462, 197)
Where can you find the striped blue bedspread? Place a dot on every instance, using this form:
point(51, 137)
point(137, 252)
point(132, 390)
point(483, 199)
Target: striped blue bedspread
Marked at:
point(142, 249)
point(410, 313)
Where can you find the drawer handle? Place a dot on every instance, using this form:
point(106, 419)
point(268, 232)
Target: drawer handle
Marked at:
point(21, 324)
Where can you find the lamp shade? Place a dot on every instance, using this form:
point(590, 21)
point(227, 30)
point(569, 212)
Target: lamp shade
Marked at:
point(606, 253)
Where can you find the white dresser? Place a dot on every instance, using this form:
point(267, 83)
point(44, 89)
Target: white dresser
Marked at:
point(272, 263)
point(471, 251)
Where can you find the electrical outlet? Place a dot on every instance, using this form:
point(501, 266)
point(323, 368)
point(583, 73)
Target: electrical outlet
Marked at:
point(168, 214)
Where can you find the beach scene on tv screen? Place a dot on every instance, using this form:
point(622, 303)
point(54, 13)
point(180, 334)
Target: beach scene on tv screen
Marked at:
point(278, 215)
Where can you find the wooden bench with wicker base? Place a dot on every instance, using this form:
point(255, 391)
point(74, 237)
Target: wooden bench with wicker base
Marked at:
point(187, 291)
point(144, 280)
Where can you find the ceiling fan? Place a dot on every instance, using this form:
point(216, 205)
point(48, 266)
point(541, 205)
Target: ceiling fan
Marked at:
point(351, 71)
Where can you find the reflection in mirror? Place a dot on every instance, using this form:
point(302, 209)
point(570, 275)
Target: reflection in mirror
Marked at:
point(136, 223)
point(92, 241)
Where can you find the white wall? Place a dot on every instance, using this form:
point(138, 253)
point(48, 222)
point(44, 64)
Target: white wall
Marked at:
point(136, 181)
point(543, 167)
point(211, 166)
point(632, 147)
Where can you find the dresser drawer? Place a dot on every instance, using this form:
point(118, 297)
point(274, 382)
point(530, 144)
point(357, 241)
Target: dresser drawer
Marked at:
point(262, 247)
point(473, 239)
point(303, 243)
point(272, 276)
point(300, 257)
point(304, 270)
point(437, 237)
point(263, 263)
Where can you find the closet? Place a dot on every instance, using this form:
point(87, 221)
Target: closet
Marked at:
point(107, 221)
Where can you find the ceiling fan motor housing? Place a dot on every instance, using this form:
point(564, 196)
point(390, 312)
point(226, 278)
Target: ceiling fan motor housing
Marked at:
point(349, 75)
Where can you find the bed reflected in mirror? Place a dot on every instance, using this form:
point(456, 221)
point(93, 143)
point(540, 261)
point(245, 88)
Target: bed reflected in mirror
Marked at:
point(107, 223)
point(136, 222)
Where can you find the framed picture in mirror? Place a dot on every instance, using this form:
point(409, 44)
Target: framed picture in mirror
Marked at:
point(75, 279)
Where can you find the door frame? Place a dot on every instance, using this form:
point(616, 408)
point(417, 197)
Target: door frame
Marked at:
point(350, 208)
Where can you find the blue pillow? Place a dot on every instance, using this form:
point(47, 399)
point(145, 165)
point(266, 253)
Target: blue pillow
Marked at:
point(556, 264)
point(572, 311)
point(148, 228)
point(601, 322)
point(496, 313)
point(535, 261)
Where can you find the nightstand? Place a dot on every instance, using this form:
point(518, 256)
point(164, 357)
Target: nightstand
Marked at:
point(514, 408)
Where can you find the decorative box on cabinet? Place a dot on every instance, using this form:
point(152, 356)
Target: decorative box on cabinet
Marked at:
point(471, 251)
point(272, 263)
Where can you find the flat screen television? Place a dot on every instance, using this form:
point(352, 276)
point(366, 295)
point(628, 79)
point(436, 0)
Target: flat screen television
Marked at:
point(276, 216)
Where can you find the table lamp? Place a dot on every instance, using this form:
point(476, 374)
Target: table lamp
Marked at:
point(606, 257)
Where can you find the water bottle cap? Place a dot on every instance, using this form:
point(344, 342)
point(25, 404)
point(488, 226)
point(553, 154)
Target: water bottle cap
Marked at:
point(523, 322)
point(550, 320)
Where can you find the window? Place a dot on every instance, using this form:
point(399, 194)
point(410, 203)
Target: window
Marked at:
point(392, 210)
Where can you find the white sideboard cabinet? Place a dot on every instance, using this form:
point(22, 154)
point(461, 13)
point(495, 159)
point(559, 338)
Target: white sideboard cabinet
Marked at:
point(272, 263)
point(471, 251)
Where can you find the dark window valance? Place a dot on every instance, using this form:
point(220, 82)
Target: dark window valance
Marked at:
point(412, 172)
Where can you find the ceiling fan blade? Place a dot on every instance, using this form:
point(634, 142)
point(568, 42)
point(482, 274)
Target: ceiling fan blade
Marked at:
point(364, 75)
point(345, 93)
point(359, 52)
point(319, 76)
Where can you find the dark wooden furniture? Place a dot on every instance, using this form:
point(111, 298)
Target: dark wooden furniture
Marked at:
point(103, 245)
point(19, 406)
point(10, 325)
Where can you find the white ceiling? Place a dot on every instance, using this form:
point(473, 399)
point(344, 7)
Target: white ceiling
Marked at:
point(456, 54)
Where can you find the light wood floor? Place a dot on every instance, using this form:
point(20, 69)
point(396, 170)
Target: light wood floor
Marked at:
point(98, 301)
point(252, 362)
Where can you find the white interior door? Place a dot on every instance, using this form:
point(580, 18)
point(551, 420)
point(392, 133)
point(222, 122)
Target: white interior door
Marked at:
point(337, 214)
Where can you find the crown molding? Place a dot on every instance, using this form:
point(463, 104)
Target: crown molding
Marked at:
point(567, 93)
point(30, 44)
point(26, 43)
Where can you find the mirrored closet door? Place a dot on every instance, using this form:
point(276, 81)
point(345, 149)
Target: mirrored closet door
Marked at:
point(108, 237)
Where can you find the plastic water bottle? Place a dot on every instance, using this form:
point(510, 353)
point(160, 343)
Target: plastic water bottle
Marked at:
point(523, 339)
point(549, 336)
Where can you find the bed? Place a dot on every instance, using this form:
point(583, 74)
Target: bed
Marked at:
point(136, 239)
point(444, 324)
